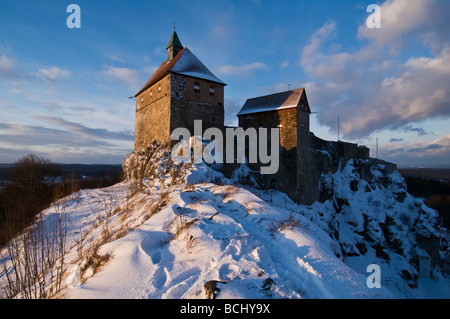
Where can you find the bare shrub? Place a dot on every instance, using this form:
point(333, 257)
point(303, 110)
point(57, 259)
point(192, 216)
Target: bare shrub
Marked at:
point(183, 224)
point(36, 256)
point(288, 223)
point(190, 241)
point(189, 188)
point(94, 260)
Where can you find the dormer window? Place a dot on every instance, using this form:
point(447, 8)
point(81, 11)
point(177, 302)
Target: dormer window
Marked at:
point(212, 91)
point(197, 87)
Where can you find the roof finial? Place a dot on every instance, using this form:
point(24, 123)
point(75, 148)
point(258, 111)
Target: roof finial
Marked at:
point(174, 26)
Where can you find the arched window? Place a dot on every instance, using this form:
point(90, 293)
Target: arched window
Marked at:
point(197, 87)
point(212, 91)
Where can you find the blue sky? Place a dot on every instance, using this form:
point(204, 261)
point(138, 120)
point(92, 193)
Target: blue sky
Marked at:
point(64, 92)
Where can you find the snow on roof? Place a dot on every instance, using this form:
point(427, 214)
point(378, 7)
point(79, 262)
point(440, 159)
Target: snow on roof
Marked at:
point(188, 64)
point(272, 102)
point(185, 63)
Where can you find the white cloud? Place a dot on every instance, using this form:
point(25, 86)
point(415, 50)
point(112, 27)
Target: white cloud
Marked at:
point(399, 19)
point(115, 58)
point(284, 64)
point(372, 91)
point(243, 69)
point(52, 73)
point(435, 153)
point(127, 76)
point(7, 67)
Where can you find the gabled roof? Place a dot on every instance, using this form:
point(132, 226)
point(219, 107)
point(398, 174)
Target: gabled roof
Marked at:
point(274, 102)
point(185, 63)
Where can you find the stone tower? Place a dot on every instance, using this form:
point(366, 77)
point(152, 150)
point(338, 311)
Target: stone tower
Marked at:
point(180, 91)
point(290, 112)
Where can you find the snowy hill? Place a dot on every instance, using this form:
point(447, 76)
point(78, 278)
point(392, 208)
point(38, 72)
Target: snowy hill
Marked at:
point(172, 229)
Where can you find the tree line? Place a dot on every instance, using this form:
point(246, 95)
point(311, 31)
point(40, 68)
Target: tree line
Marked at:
point(436, 194)
point(33, 183)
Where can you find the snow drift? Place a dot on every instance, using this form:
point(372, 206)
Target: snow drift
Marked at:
point(170, 229)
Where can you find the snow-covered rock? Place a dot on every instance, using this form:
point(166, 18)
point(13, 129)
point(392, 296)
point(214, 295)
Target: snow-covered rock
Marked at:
point(184, 226)
point(375, 218)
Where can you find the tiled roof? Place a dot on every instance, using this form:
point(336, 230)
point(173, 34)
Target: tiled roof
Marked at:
point(185, 63)
point(274, 102)
point(161, 72)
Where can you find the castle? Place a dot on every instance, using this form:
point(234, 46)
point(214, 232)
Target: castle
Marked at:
point(182, 90)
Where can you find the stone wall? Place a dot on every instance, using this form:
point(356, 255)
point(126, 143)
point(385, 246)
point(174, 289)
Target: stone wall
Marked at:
point(176, 101)
point(152, 120)
point(173, 102)
point(287, 119)
point(203, 95)
point(285, 179)
point(307, 187)
point(188, 105)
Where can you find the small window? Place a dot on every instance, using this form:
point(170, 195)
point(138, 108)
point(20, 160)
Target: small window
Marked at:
point(142, 99)
point(212, 91)
point(159, 88)
point(151, 93)
point(197, 87)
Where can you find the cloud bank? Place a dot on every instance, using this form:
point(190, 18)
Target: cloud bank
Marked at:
point(435, 153)
point(374, 87)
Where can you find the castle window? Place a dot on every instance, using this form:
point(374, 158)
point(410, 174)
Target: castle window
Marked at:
point(197, 87)
point(159, 88)
point(212, 91)
point(151, 93)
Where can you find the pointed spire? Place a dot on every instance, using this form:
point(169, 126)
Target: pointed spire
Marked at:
point(174, 45)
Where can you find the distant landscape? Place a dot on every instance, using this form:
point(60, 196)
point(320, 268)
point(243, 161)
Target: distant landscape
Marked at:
point(87, 170)
point(437, 174)
point(431, 184)
point(32, 183)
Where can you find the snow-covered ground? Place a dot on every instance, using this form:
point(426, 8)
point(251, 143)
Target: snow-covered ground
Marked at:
point(168, 241)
